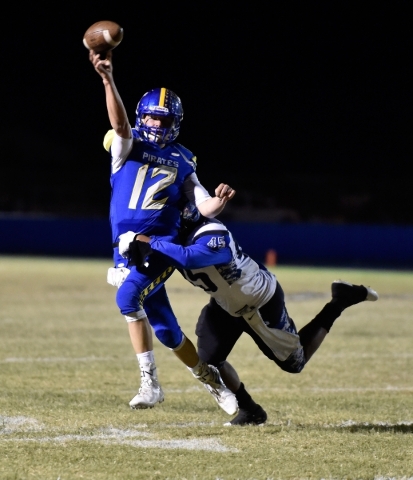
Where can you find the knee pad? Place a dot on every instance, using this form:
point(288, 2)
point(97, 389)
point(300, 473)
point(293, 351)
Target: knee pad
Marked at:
point(135, 316)
point(171, 338)
point(180, 345)
point(294, 363)
point(127, 297)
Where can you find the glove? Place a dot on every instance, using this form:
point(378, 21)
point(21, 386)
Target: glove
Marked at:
point(116, 276)
point(138, 251)
point(124, 241)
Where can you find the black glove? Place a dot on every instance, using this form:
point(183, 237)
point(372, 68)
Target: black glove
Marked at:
point(138, 251)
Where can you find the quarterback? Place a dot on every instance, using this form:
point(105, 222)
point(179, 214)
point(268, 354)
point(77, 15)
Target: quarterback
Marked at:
point(152, 176)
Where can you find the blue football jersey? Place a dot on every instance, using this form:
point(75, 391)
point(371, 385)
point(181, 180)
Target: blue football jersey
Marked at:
point(147, 191)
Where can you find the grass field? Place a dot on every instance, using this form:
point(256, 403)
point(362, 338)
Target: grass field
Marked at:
point(67, 373)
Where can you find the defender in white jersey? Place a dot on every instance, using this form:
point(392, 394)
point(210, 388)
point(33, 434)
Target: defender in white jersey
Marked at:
point(211, 259)
point(152, 177)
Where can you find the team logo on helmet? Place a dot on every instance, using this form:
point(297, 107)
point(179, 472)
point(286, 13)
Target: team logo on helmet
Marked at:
point(157, 108)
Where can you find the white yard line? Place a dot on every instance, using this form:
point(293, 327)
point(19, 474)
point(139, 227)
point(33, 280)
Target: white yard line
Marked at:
point(9, 425)
point(140, 437)
point(206, 444)
point(55, 359)
point(115, 436)
point(144, 439)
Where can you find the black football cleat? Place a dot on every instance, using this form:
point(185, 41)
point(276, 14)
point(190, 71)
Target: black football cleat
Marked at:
point(352, 294)
point(245, 417)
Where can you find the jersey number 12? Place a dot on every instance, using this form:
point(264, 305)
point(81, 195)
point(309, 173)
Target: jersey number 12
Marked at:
point(149, 203)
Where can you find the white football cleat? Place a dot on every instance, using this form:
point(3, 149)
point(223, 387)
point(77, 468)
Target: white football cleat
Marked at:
point(150, 393)
point(212, 381)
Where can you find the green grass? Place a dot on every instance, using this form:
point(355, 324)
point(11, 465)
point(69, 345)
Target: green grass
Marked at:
point(67, 373)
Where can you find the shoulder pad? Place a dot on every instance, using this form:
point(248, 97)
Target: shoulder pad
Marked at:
point(107, 141)
point(110, 135)
point(186, 154)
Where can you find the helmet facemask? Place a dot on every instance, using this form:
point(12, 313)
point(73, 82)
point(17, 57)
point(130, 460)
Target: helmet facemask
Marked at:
point(159, 135)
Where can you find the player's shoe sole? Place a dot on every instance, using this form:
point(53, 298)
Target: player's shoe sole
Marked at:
point(141, 405)
point(244, 417)
point(352, 294)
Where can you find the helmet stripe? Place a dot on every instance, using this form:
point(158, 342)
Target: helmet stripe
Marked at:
point(162, 97)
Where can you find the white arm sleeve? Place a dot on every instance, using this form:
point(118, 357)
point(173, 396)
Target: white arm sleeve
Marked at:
point(120, 150)
point(194, 191)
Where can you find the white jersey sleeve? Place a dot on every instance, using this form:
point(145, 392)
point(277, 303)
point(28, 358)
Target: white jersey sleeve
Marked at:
point(194, 191)
point(239, 287)
point(120, 149)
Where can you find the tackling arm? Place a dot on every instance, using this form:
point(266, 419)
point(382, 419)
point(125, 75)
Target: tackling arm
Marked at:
point(208, 250)
point(192, 257)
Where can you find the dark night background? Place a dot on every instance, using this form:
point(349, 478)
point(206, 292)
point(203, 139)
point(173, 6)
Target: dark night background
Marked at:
point(304, 108)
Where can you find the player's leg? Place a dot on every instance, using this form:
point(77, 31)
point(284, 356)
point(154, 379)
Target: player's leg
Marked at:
point(130, 299)
point(343, 295)
point(275, 333)
point(250, 412)
point(217, 333)
point(275, 316)
point(150, 392)
point(168, 331)
point(140, 334)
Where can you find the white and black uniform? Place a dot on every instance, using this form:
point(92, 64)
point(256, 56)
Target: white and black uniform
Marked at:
point(240, 289)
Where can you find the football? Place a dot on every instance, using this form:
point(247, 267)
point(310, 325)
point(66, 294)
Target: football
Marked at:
point(103, 36)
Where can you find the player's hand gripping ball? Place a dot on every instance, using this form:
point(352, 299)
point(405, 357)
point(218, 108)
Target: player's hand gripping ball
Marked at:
point(103, 36)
